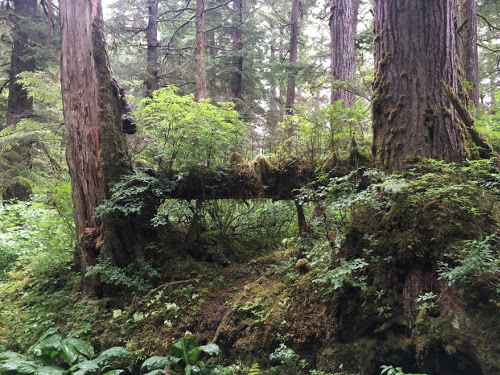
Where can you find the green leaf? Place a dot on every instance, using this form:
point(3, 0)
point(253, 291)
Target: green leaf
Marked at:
point(49, 344)
point(155, 372)
point(194, 354)
point(211, 349)
point(10, 356)
point(82, 346)
point(156, 362)
point(18, 367)
point(84, 368)
point(181, 348)
point(50, 370)
point(114, 372)
point(112, 353)
point(68, 353)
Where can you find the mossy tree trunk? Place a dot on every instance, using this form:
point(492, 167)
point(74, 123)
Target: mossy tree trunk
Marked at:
point(343, 17)
point(96, 150)
point(415, 54)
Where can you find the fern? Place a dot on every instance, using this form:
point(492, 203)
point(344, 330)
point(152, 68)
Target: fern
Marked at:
point(254, 370)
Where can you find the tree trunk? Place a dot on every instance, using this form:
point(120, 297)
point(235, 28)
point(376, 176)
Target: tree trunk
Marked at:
point(199, 52)
point(293, 58)
point(236, 75)
point(343, 18)
point(96, 150)
point(415, 56)
point(19, 104)
point(152, 40)
point(467, 48)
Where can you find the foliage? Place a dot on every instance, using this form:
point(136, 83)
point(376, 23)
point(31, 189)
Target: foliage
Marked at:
point(35, 235)
point(136, 276)
point(426, 301)
point(488, 123)
point(180, 133)
point(130, 193)
point(40, 135)
point(471, 261)
point(185, 359)
point(54, 355)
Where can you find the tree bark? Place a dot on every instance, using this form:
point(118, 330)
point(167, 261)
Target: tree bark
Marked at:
point(343, 18)
point(200, 52)
point(19, 104)
point(467, 48)
point(96, 150)
point(293, 58)
point(152, 40)
point(414, 55)
point(237, 41)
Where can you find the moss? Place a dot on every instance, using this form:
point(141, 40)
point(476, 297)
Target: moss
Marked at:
point(385, 60)
point(302, 265)
point(446, 112)
point(394, 111)
point(261, 168)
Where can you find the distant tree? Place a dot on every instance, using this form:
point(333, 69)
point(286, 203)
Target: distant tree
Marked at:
point(343, 16)
point(292, 59)
point(152, 40)
point(200, 91)
point(20, 105)
point(237, 42)
point(467, 49)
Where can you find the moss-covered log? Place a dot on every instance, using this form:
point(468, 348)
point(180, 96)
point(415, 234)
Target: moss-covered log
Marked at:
point(240, 182)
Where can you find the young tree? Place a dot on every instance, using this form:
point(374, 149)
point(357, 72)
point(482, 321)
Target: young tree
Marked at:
point(96, 150)
point(343, 16)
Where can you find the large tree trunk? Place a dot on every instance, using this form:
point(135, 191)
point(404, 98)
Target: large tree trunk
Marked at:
point(152, 40)
point(414, 55)
point(237, 40)
point(467, 47)
point(96, 150)
point(343, 17)
point(200, 51)
point(19, 104)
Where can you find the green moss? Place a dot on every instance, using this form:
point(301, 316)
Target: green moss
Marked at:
point(446, 111)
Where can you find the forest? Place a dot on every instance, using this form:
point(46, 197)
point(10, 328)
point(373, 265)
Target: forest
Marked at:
point(250, 187)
